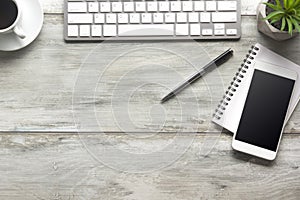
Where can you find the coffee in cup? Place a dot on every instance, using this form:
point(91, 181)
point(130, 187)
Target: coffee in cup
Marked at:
point(9, 18)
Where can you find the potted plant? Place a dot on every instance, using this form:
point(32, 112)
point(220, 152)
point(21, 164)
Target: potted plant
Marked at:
point(279, 19)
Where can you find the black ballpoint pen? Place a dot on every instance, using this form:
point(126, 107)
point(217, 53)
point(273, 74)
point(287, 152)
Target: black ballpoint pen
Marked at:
point(208, 67)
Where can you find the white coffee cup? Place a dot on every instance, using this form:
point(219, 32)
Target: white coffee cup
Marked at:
point(15, 27)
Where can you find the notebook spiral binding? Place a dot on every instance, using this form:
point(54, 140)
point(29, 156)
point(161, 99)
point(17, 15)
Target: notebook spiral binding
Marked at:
point(237, 79)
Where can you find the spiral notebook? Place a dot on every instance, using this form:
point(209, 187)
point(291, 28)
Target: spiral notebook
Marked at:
point(229, 111)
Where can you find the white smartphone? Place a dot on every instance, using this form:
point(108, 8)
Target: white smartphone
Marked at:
point(264, 114)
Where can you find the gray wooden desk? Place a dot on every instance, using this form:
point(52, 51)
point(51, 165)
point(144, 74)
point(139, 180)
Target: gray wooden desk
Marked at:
point(43, 157)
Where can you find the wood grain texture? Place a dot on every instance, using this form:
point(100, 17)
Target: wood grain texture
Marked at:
point(59, 167)
point(38, 83)
point(42, 158)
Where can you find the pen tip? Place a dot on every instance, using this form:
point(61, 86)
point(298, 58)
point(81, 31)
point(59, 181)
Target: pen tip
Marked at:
point(166, 98)
point(163, 100)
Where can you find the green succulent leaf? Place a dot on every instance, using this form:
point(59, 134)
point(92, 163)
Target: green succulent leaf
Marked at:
point(274, 7)
point(296, 24)
point(290, 26)
point(285, 3)
point(275, 19)
point(295, 4)
point(297, 18)
point(278, 3)
point(283, 23)
point(289, 3)
point(287, 12)
point(274, 14)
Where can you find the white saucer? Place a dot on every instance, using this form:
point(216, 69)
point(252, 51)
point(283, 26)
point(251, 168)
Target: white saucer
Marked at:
point(31, 22)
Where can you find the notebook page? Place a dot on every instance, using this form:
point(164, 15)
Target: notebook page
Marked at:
point(231, 115)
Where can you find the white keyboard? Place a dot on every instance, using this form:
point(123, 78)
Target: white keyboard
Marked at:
point(151, 20)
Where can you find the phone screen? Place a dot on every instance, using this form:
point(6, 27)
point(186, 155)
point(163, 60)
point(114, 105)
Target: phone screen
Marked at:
point(265, 110)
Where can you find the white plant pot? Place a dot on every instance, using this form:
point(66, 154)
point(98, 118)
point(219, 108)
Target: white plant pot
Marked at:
point(266, 28)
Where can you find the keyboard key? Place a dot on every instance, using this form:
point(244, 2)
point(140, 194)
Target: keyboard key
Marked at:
point(72, 30)
point(181, 17)
point(187, 5)
point(77, 7)
point(128, 7)
point(207, 32)
point(104, 6)
point(96, 30)
point(109, 30)
point(227, 5)
point(211, 6)
point(152, 6)
point(111, 18)
point(205, 17)
point(170, 18)
point(80, 18)
point(134, 18)
point(219, 26)
point(193, 17)
point(195, 29)
point(175, 6)
point(219, 32)
point(199, 5)
point(146, 30)
point(224, 17)
point(123, 18)
point(140, 6)
point(93, 7)
point(84, 30)
point(164, 6)
point(99, 18)
point(219, 29)
point(182, 29)
point(158, 18)
point(116, 6)
point(231, 31)
point(146, 18)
